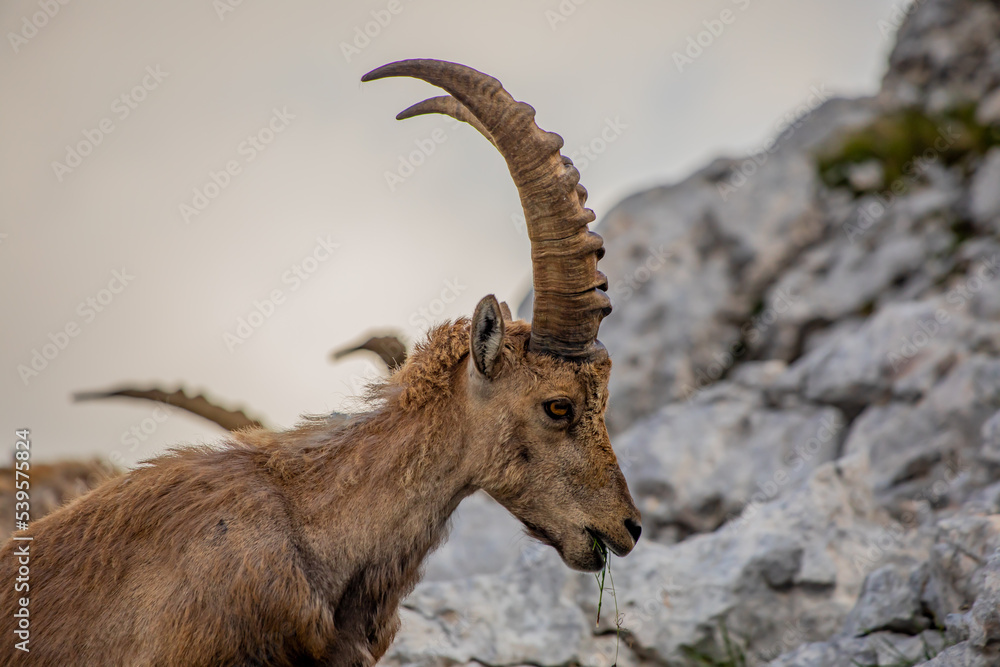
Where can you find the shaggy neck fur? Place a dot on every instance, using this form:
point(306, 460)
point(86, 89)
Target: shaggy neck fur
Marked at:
point(389, 485)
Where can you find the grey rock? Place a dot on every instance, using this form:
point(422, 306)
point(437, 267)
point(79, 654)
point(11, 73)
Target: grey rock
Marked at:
point(676, 598)
point(963, 569)
point(837, 280)
point(693, 465)
point(758, 374)
point(963, 655)
point(902, 442)
point(946, 53)
point(930, 451)
point(484, 539)
point(988, 111)
point(888, 601)
point(861, 368)
point(672, 599)
point(959, 585)
point(883, 648)
point(990, 450)
point(835, 653)
point(689, 263)
point(871, 255)
point(458, 621)
point(984, 194)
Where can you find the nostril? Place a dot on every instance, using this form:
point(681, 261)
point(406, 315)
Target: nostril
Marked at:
point(633, 528)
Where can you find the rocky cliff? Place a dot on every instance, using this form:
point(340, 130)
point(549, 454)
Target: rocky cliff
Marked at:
point(806, 402)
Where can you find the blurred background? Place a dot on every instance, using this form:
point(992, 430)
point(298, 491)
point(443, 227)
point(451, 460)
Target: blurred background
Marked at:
point(115, 116)
point(801, 207)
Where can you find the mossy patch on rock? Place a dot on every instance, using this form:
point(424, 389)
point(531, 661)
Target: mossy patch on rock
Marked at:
point(905, 143)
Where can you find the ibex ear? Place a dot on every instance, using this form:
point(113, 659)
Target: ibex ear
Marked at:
point(487, 336)
point(505, 310)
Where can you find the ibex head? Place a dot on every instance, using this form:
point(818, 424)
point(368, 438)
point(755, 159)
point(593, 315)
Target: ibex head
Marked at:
point(536, 395)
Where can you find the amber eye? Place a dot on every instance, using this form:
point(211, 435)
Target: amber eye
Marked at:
point(560, 408)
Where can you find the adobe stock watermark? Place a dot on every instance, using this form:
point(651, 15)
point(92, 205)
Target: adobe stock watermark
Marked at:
point(588, 153)
point(928, 328)
point(427, 316)
point(293, 278)
point(87, 311)
point(30, 25)
point(704, 39)
point(804, 452)
point(890, 537)
point(122, 107)
point(741, 174)
point(750, 332)
point(583, 156)
point(900, 10)
point(248, 149)
point(794, 635)
point(357, 385)
point(139, 433)
point(407, 164)
point(625, 288)
point(562, 12)
point(454, 623)
point(662, 594)
point(870, 213)
point(223, 7)
point(363, 34)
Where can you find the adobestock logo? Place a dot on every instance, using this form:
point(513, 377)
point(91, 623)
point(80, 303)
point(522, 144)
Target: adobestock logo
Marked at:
point(364, 34)
point(588, 153)
point(139, 433)
point(625, 289)
point(37, 21)
point(250, 148)
point(294, 277)
point(88, 309)
point(408, 164)
point(562, 12)
point(698, 43)
point(122, 107)
point(427, 316)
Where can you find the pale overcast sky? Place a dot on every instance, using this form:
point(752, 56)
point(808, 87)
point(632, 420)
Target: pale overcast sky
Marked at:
point(158, 100)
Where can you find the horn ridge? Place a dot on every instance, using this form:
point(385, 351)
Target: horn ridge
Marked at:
point(569, 301)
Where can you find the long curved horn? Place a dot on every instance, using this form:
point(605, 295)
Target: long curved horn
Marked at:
point(389, 348)
point(449, 106)
point(231, 420)
point(570, 299)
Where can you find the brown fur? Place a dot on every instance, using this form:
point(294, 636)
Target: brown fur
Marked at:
point(296, 548)
point(52, 486)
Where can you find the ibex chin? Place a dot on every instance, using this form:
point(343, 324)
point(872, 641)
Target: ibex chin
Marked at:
point(295, 548)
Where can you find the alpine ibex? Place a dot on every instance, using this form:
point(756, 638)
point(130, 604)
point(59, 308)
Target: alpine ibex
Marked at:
point(295, 548)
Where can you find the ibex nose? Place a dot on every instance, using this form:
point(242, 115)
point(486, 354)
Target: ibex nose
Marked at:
point(634, 528)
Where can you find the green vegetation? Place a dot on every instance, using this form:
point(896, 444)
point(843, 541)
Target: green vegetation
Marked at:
point(600, 577)
point(729, 654)
point(905, 142)
point(901, 660)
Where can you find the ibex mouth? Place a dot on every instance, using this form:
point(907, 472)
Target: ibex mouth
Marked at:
point(599, 543)
point(606, 544)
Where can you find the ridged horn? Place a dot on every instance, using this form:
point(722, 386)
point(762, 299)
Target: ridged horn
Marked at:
point(570, 299)
point(231, 420)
